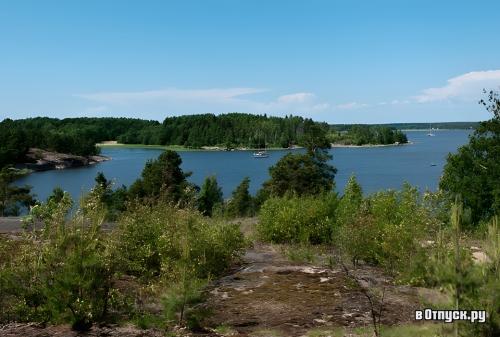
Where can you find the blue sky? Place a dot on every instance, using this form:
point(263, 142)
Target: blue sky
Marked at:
point(335, 61)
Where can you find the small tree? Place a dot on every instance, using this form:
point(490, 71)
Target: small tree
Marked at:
point(162, 177)
point(350, 202)
point(241, 203)
point(302, 174)
point(210, 195)
point(12, 198)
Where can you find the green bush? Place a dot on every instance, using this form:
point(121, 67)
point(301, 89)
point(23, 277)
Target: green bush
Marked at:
point(295, 219)
point(151, 238)
point(387, 228)
point(63, 272)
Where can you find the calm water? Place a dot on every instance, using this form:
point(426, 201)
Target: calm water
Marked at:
point(375, 168)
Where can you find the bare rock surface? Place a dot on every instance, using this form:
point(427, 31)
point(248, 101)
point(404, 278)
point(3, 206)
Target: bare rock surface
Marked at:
point(270, 293)
point(42, 160)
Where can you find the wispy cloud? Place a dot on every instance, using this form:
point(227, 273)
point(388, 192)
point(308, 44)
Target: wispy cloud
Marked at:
point(351, 106)
point(172, 94)
point(466, 87)
point(215, 100)
point(299, 97)
point(297, 102)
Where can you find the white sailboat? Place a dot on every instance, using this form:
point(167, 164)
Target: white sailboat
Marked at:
point(430, 134)
point(261, 153)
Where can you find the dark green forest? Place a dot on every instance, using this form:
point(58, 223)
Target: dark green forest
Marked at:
point(367, 134)
point(78, 136)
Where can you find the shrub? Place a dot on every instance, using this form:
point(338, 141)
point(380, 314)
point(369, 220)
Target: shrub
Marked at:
point(387, 228)
point(151, 238)
point(293, 219)
point(63, 273)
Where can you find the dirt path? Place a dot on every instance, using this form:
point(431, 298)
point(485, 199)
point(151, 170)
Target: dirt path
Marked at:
point(272, 295)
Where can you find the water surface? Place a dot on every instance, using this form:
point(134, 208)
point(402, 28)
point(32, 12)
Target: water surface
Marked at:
point(376, 167)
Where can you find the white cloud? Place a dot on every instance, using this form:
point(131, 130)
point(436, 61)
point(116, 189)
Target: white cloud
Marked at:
point(351, 105)
point(466, 87)
point(299, 97)
point(213, 100)
point(172, 94)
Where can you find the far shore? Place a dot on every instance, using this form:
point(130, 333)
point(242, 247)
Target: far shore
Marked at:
point(369, 145)
point(180, 148)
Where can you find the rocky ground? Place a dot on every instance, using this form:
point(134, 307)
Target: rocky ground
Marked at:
point(42, 160)
point(268, 295)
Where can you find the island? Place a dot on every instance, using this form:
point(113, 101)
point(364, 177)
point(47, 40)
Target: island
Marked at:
point(49, 143)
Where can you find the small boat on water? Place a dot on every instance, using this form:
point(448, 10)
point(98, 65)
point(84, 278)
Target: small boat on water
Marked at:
point(430, 134)
point(260, 154)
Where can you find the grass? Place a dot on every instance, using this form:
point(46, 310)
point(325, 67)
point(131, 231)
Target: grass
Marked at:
point(225, 330)
point(300, 254)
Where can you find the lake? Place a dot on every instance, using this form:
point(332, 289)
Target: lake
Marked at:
point(420, 164)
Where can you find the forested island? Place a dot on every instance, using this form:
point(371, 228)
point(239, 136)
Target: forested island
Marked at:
point(79, 136)
point(359, 135)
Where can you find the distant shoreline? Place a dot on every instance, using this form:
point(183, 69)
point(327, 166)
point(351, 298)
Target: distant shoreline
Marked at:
point(436, 130)
point(369, 145)
point(180, 148)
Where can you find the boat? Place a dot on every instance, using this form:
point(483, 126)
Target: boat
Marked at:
point(260, 154)
point(430, 134)
point(433, 164)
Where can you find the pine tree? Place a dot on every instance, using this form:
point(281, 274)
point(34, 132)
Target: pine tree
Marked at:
point(209, 196)
point(241, 203)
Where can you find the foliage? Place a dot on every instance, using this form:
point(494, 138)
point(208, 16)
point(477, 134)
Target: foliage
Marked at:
point(13, 198)
point(350, 202)
point(210, 195)
point(302, 174)
point(367, 134)
point(63, 272)
point(241, 202)
point(472, 284)
point(65, 268)
point(385, 228)
point(178, 246)
point(163, 178)
point(474, 171)
point(79, 135)
point(71, 135)
point(234, 129)
point(150, 241)
point(114, 201)
point(293, 219)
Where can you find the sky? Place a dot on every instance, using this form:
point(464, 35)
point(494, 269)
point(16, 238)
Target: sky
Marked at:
point(335, 61)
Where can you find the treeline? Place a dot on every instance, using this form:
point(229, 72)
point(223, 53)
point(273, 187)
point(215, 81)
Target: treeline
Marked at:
point(76, 136)
point(367, 134)
point(229, 130)
point(414, 126)
point(79, 135)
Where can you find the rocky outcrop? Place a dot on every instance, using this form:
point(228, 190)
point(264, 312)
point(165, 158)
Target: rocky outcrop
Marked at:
point(42, 160)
